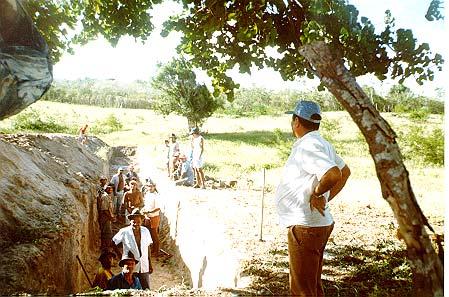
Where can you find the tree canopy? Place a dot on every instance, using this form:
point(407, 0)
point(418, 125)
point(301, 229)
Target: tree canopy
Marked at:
point(179, 92)
point(65, 22)
point(219, 35)
point(223, 34)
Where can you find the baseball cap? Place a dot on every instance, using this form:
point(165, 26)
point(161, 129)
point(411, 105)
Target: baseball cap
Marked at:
point(194, 130)
point(306, 109)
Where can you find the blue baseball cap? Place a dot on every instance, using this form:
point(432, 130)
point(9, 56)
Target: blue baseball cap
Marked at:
point(306, 109)
point(194, 130)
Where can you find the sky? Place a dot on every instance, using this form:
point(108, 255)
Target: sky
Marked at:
point(131, 60)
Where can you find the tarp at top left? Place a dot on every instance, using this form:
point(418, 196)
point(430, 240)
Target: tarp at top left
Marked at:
point(25, 68)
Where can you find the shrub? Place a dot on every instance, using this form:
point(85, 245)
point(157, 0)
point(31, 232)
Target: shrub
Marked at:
point(107, 125)
point(427, 148)
point(419, 114)
point(31, 121)
point(330, 128)
point(435, 106)
point(283, 143)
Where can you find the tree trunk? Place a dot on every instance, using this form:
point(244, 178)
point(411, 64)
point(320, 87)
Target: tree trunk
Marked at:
point(393, 176)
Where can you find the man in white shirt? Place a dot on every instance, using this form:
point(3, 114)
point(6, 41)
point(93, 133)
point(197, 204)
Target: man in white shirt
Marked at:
point(313, 175)
point(173, 153)
point(137, 239)
point(151, 210)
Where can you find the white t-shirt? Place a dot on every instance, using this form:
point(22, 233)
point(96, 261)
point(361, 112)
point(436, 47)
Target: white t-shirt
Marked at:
point(311, 157)
point(150, 202)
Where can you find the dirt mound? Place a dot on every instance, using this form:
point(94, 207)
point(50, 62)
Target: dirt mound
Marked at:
point(47, 212)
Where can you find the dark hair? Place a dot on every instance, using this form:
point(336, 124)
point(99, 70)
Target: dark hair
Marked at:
point(307, 124)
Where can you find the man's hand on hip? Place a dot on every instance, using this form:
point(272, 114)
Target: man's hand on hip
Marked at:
point(318, 202)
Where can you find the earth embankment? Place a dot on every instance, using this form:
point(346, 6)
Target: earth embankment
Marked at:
point(47, 212)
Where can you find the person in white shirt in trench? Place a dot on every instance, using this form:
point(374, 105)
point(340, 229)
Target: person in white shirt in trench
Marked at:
point(137, 239)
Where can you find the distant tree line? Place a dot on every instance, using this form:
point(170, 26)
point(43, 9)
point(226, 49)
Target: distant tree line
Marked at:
point(104, 93)
point(247, 102)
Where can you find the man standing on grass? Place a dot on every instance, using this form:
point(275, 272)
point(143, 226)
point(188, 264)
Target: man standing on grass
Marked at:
point(313, 175)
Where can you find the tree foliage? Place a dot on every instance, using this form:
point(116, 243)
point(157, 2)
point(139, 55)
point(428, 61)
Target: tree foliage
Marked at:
point(105, 93)
point(221, 35)
point(65, 22)
point(180, 93)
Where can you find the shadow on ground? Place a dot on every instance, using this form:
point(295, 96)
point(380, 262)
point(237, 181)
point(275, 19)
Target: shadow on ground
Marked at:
point(256, 138)
point(348, 271)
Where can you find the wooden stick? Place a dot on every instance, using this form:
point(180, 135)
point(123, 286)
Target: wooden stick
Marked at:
point(263, 198)
point(84, 270)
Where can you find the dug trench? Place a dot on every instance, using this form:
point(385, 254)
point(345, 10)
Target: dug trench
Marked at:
point(50, 237)
point(48, 217)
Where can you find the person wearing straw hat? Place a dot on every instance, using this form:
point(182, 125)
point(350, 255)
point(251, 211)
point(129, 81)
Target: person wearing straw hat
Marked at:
point(313, 175)
point(137, 240)
point(104, 273)
point(125, 279)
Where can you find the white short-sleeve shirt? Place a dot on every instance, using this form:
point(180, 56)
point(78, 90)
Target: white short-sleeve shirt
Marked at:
point(311, 157)
point(150, 202)
point(126, 237)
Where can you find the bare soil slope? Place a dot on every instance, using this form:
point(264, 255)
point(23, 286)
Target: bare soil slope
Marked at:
point(47, 212)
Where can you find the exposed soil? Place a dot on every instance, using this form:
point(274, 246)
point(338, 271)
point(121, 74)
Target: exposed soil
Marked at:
point(45, 190)
point(363, 256)
point(47, 214)
point(164, 275)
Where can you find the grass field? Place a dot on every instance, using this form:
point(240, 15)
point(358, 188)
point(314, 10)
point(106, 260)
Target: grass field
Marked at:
point(235, 148)
point(239, 148)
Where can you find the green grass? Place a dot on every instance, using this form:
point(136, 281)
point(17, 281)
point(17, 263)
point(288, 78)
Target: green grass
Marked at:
point(235, 148)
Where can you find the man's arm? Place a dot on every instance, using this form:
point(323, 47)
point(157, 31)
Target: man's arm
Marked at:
point(110, 207)
point(150, 266)
point(328, 181)
point(125, 204)
point(333, 180)
point(202, 146)
point(345, 173)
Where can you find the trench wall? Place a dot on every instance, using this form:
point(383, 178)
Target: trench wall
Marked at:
point(195, 234)
point(48, 213)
